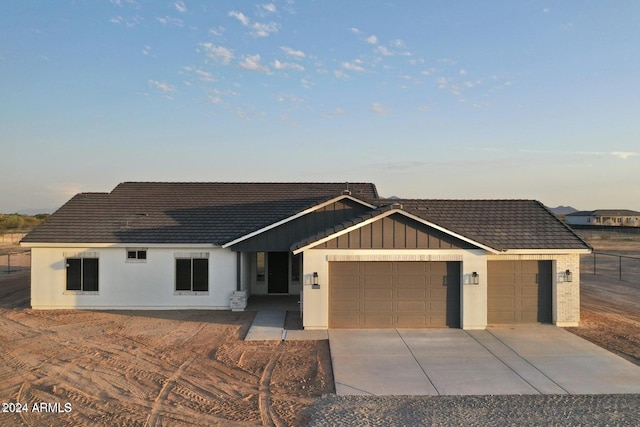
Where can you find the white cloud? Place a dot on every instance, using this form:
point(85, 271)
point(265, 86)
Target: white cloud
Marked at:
point(240, 17)
point(379, 109)
point(463, 72)
point(355, 31)
point(168, 20)
point(162, 86)
point(260, 29)
point(624, 155)
point(353, 66)
point(372, 39)
point(334, 113)
point(287, 66)
point(269, 7)
point(291, 52)
point(180, 6)
point(146, 51)
point(128, 22)
point(341, 74)
point(306, 83)
point(382, 50)
point(252, 63)
point(219, 53)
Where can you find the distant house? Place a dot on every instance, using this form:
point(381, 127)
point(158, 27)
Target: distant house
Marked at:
point(615, 217)
point(357, 260)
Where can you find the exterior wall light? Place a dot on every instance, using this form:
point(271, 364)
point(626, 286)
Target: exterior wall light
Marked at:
point(475, 278)
point(567, 276)
point(315, 284)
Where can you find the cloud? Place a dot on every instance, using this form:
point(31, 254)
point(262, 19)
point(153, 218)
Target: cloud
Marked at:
point(240, 17)
point(341, 74)
point(252, 63)
point(287, 66)
point(168, 20)
point(333, 113)
point(269, 7)
point(353, 66)
point(128, 22)
point(379, 109)
point(180, 6)
point(291, 52)
point(355, 31)
point(372, 39)
point(218, 53)
point(258, 29)
point(624, 155)
point(162, 86)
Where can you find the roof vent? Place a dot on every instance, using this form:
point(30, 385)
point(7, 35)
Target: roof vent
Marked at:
point(346, 192)
point(396, 205)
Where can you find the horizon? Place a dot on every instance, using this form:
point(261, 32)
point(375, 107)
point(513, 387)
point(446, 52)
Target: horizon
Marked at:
point(504, 100)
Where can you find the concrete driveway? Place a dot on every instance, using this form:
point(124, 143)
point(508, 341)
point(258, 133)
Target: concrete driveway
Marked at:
point(538, 359)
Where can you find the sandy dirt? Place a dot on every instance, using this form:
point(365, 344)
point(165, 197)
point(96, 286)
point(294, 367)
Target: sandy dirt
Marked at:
point(610, 307)
point(117, 368)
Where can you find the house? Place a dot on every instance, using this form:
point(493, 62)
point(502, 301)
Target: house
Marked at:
point(357, 260)
point(615, 217)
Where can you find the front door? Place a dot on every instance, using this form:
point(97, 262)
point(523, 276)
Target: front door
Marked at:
point(278, 272)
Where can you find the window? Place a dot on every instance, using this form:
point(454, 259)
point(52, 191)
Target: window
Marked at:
point(192, 274)
point(136, 255)
point(295, 267)
point(260, 266)
point(82, 274)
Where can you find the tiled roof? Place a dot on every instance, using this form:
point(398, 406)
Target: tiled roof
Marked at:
point(152, 212)
point(498, 224)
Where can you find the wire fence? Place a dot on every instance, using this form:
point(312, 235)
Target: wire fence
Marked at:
point(14, 262)
point(623, 267)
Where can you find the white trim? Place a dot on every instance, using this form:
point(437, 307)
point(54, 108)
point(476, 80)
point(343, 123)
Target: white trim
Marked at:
point(296, 216)
point(386, 214)
point(545, 251)
point(393, 257)
point(81, 254)
point(120, 245)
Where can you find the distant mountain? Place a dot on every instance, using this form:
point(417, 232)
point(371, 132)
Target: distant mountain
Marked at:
point(563, 210)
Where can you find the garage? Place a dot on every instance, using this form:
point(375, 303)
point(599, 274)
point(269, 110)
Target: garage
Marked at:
point(394, 294)
point(519, 292)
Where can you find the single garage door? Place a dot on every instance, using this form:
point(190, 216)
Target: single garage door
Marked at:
point(373, 294)
point(519, 292)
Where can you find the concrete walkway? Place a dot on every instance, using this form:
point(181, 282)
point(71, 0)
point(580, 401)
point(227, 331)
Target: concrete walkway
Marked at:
point(269, 325)
point(538, 359)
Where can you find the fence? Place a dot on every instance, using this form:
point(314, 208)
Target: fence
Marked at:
point(623, 267)
point(15, 261)
point(11, 238)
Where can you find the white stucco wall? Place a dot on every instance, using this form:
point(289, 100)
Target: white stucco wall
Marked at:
point(131, 285)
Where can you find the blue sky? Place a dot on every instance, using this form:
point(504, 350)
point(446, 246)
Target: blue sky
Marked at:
point(428, 99)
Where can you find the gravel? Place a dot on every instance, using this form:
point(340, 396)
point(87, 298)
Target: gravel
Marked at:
point(520, 410)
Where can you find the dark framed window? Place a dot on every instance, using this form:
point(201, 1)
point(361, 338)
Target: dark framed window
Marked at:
point(261, 264)
point(82, 274)
point(192, 274)
point(136, 254)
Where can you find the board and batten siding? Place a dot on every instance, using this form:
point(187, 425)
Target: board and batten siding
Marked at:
point(280, 239)
point(395, 232)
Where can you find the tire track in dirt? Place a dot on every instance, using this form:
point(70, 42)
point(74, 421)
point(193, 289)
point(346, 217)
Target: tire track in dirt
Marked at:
point(267, 413)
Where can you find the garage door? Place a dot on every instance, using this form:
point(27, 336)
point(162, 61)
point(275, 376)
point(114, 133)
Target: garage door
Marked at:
point(394, 294)
point(519, 292)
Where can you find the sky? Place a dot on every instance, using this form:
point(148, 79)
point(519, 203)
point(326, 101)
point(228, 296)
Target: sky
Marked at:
point(495, 99)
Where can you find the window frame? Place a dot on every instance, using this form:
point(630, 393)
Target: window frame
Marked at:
point(88, 273)
point(140, 255)
point(198, 265)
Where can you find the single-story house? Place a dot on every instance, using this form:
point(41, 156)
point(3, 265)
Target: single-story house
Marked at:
point(357, 260)
point(619, 217)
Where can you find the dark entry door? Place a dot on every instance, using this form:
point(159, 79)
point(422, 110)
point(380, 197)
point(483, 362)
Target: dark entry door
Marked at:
point(278, 264)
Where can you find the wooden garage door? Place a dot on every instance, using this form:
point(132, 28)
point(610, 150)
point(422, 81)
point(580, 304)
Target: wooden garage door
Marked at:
point(519, 292)
point(394, 294)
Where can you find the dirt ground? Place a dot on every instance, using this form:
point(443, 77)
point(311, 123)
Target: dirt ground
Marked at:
point(149, 367)
point(610, 307)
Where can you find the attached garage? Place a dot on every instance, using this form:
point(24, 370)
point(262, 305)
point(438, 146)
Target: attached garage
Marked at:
point(390, 294)
point(519, 292)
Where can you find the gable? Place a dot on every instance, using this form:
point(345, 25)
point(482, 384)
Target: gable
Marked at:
point(281, 238)
point(395, 232)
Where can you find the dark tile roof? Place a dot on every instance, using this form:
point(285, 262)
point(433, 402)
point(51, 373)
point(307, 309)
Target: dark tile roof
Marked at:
point(153, 212)
point(498, 224)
